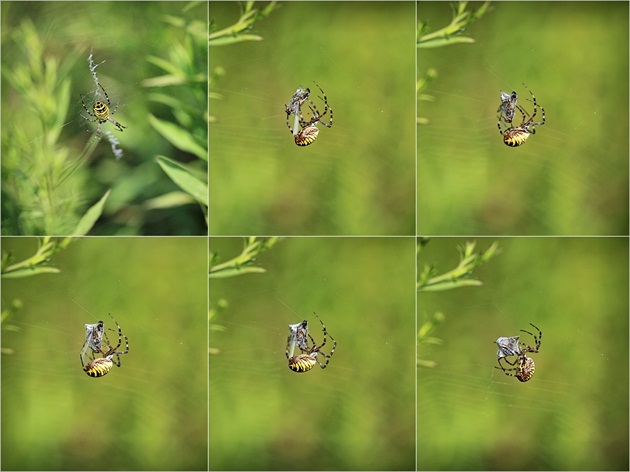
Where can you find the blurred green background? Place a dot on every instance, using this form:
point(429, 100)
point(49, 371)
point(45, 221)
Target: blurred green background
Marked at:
point(152, 62)
point(149, 414)
point(358, 176)
point(573, 414)
point(572, 176)
point(358, 413)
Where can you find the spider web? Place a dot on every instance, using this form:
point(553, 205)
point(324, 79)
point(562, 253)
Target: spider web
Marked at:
point(369, 382)
point(474, 398)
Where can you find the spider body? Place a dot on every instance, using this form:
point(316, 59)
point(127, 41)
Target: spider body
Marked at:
point(310, 354)
point(306, 135)
point(101, 366)
point(102, 112)
point(523, 367)
point(302, 363)
point(306, 132)
point(508, 106)
point(517, 135)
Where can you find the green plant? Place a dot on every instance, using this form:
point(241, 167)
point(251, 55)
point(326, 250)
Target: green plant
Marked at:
point(429, 281)
point(239, 31)
point(239, 265)
point(185, 82)
point(243, 263)
point(42, 181)
point(460, 276)
point(37, 264)
point(236, 33)
point(453, 33)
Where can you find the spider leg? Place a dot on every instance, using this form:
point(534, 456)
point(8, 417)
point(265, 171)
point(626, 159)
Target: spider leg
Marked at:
point(115, 123)
point(327, 356)
point(106, 96)
point(499, 126)
point(113, 350)
point(324, 343)
point(85, 346)
point(506, 360)
point(504, 369)
point(523, 112)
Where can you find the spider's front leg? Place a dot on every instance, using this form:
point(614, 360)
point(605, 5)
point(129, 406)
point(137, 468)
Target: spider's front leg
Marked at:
point(116, 124)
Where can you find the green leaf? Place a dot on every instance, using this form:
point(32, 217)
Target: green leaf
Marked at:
point(439, 42)
point(29, 271)
point(178, 137)
point(184, 179)
point(90, 217)
point(231, 272)
point(169, 200)
point(448, 285)
point(164, 81)
point(224, 41)
point(163, 64)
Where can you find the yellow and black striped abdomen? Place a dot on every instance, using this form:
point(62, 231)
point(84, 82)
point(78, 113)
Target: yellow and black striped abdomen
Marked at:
point(526, 369)
point(101, 110)
point(302, 363)
point(99, 367)
point(515, 136)
point(306, 136)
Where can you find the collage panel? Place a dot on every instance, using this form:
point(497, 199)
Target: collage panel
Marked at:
point(312, 354)
point(523, 118)
point(104, 354)
point(312, 118)
point(523, 354)
point(104, 118)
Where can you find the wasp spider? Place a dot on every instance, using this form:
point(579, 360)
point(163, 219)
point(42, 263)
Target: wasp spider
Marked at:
point(523, 366)
point(310, 354)
point(305, 132)
point(102, 365)
point(517, 135)
point(102, 112)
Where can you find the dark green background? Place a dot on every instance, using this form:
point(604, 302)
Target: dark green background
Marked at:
point(149, 414)
point(358, 413)
point(573, 414)
point(571, 177)
point(358, 176)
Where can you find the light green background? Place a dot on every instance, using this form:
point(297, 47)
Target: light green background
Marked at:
point(571, 177)
point(573, 414)
point(357, 178)
point(149, 414)
point(358, 413)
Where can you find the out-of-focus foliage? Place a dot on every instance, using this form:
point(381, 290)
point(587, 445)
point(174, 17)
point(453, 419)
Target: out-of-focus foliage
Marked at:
point(61, 178)
point(239, 265)
point(38, 263)
point(363, 290)
point(472, 416)
point(243, 263)
point(571, 177)
point(451, 34)
point(430, 281)
point(149, 414)
point(358, 176)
